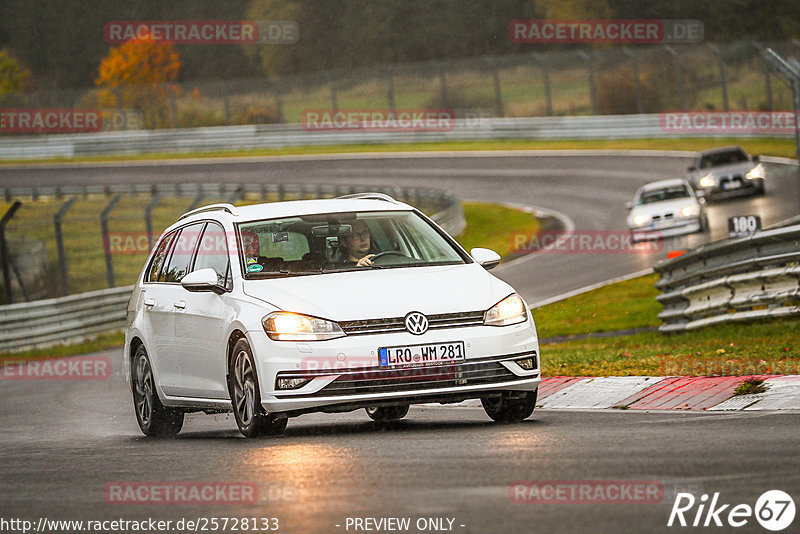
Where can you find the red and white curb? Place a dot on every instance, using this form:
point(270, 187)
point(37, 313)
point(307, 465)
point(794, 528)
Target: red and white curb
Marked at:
point(668, 393)
point(715, 393)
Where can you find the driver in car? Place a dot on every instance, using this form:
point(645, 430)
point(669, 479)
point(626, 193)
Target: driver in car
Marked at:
point(356, 246)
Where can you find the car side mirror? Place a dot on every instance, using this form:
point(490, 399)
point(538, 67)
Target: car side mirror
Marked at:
point(486, 258)
point(202, 280)
point(629, 205)
point(756, 158)
point(692, 168)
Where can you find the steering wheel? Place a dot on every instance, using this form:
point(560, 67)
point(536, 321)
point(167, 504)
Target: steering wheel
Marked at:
point(390, 253)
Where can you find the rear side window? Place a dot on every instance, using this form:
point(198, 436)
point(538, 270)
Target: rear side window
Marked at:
point(181, 257)
point(158, 259)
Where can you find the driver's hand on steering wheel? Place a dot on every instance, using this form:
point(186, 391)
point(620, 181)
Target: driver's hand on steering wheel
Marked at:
point(366, 261)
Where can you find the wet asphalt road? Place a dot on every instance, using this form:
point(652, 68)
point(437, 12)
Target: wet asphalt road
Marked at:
point(63, 442)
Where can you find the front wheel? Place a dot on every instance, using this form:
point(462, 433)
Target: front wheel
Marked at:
point(510, 407)
point(387, 413)
point(250, 416)
point(155, 419)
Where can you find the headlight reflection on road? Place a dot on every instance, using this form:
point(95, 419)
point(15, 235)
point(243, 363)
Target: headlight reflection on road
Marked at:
point(298, 482)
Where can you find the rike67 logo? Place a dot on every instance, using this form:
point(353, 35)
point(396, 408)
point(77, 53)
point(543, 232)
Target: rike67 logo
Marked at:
point(774, 510)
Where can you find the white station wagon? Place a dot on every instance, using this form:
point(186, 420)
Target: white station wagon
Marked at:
point(280, 309)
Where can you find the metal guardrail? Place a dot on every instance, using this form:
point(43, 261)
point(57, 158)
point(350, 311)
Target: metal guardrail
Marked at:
point(741, 279)
point(289, 135)
point(43, 323)
point(63, 320)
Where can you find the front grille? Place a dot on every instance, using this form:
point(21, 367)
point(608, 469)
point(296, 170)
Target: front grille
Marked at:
point(380, 380)
point(731, 178)
point(397, 324)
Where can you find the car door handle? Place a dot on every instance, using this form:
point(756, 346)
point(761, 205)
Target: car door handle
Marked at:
point(149, 302)
point(179, 304)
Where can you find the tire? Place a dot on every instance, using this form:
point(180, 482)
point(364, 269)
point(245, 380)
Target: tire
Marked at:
point(250, 416)
point(155, 419)
point(511, 407)
point(387, 413)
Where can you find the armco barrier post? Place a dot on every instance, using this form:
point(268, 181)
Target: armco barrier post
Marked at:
point(334, 99)
point(443, 84)
point(498, 95)
point(790, 69)
point(635, 62)
point(104, 225)
point(546, 80)
point(723, 77)
point(679, 75)
point(5, 253)
point(592, 86)
point(148, 219)
point(62, 257)
point(197, 200)
point(767, 79)
point(387, 74)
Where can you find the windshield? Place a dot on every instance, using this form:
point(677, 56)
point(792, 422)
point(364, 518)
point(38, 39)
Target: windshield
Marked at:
point(315, 244)
point(660, 195)
point(729, 157)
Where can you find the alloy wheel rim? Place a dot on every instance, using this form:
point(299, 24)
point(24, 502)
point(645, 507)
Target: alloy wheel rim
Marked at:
point(144, 390)
point(243, 388)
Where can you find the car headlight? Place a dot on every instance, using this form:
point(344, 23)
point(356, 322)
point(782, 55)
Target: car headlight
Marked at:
point(707, 181)
point(639, 220)
point(510, 310)
point(689, 211)
point(755, 172)
point(287, 326)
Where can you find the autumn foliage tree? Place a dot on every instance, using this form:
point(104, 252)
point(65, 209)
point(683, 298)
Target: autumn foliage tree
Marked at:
point(14, 79)
point(139, 75)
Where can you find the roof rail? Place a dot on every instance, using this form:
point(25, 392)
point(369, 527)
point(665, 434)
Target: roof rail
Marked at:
point(230, 208)
point(371, 196)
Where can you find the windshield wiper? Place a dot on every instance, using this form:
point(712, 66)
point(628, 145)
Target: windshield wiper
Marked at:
point(286, 272)
point(352, 268)
point(282, 273)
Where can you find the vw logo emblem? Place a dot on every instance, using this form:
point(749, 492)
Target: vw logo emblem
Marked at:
point(416, 323)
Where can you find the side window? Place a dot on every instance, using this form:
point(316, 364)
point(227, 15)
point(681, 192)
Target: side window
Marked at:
point(158, 259)
point(213, 252)
point(179, 261)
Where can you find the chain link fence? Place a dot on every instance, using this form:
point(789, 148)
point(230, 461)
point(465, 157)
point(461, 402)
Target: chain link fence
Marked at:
point(604, 81)
point(66, 240)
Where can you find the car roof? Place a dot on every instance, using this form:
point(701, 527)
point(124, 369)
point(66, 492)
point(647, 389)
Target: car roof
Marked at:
point(292, 208)
point(663, 183)
point(721, 149)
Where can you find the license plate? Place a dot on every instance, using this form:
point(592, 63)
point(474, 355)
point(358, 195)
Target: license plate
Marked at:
point(731, 185)
point(428, 354)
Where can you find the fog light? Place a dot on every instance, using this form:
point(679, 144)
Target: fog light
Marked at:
point(291, 383)
point(527, 364)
